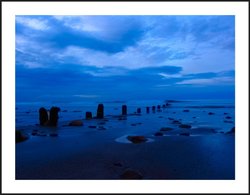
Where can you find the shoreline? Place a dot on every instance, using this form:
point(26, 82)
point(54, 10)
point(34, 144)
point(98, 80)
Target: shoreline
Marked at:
point(176, 144)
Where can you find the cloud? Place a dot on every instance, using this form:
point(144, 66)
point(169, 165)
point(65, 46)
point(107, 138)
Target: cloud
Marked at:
point(86, 96)
point(108, 28)
point(212, 81)
point(33, 23)
point(103, 56)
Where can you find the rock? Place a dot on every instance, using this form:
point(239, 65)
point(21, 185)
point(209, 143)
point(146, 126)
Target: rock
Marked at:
point(158, 107)
point(185, 110)
point(34, 132)
point(118, 164)
point(225, 121)
point(153, 108)
point(100, 111)
point(53, 116)
point(160, 116)
point(43, 116)
point(124, 110)
point(166, 129)
point(147, 109)
point(168, 104)
point(185, 126)
point(225, 113)
point(133, 124)
point(20, 136)
point(210, 113)
point(138, 111)
point(231, 131)
point(137, 139)
point(92, 126)
point(194, 117)
point(42, 134)
point(53, 135)
point(185, 134)
point(176, 122)
point(171, 119)
point(101, 128)
point(228, 117)
point(76, 123)
point(158, 134)
point(122, 118)
point(88, 115)
point(131, 174)
point(77, 111)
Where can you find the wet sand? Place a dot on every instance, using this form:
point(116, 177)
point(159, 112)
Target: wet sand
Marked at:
point(90, 152)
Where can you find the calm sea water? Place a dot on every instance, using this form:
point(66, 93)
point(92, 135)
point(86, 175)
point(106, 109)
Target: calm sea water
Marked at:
point(27, 113)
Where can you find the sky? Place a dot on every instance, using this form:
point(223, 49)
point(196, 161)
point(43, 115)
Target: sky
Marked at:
point(102, 58)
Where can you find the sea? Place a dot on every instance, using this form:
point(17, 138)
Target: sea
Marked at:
point(222, 110)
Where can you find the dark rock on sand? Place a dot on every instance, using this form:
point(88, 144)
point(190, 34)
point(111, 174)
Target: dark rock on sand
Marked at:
point(185, 126)
point(100, 111)
point(53, 116)
point(210, 113)
point(124, 110)
point(166, 129)
point(88, 115)
point(53, 135)
point(168, 104)
point(185, 134)
point(171, 119)
point(101, 128)
point(185, 110)
point(131, 174)
point(122, 118)
point(43, 116)
point(176, 122)
point(137, 139)
point(20, 136)
point(118, 164)
point(92, 126)
point(225, 113)
point(77, 111)
point(158, 134)
point(147, 109)
point(226, 121)
point(76, 123)
point(231, 131)
point(228, 117)
point(34, 132)
point(42, 134)
point(138, 111)
point(153, 108)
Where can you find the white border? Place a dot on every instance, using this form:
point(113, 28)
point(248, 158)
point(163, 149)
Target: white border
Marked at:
point(10, 9)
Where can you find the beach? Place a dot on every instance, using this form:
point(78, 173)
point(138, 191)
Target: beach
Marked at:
point(185, 140)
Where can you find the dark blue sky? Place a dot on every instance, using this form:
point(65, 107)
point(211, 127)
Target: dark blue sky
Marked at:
point(124, 57)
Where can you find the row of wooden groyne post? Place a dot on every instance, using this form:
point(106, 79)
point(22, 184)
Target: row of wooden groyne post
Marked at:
point(51, 118)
